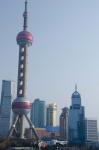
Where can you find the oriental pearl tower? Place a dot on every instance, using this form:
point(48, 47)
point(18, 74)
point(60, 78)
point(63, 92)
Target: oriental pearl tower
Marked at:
point(21, 105)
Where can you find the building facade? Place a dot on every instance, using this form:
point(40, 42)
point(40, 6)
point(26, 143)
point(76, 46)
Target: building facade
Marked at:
point(64, 123)
point(51, 115)
point(8, 94)
point(38, 113)
point(91, 130)
point(76, 120)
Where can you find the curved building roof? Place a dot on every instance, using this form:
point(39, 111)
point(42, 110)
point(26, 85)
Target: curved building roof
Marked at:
point(76, 95)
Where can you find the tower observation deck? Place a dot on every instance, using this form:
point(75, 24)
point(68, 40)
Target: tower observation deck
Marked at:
point(21, 105)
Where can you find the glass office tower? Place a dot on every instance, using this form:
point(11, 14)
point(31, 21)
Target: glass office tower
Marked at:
point(76, 120)
point(64, 123)
point(38, 113)
point(8, 94)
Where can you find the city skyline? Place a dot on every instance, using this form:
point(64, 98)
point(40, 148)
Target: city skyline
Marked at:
point(65, 50)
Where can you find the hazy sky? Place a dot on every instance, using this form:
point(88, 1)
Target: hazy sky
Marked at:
point(65, 50)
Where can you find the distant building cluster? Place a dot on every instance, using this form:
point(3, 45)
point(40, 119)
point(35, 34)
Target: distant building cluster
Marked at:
point(73, 127)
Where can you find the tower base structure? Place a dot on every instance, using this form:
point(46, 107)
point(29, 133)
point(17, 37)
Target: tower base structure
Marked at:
point(21, 107)
point(14, 131)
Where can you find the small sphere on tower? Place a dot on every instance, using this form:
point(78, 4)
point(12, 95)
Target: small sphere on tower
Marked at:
point(24, 38)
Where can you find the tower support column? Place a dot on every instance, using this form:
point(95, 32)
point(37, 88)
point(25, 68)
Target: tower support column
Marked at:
point(21, 127)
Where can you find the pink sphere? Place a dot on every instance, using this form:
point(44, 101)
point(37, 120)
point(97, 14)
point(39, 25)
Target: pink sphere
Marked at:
point(21, 107)
point(24, 36)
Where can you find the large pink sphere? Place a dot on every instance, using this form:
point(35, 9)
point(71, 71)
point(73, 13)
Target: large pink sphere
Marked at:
point(21, 107)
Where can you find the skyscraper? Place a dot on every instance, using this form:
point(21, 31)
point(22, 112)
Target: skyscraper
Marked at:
point(64, 123)
point(38, 113)
point(8, 93)
point(91, 130)
point(51, 116)
point(76, 120)
point(21, 105)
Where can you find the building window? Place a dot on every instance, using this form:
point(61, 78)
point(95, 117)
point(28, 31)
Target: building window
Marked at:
point(22, 57)
point(20, 92)
point(21, 74)
point(21, 83)
point(22, 49)
point(21, 66)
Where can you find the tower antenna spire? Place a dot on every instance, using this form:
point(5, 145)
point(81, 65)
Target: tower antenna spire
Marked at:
point(75, 87)
point(25, 16)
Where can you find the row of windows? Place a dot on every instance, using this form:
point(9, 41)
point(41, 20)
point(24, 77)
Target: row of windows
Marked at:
point(21, 67)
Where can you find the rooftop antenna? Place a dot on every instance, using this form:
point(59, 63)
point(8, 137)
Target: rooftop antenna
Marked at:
point(75, 87)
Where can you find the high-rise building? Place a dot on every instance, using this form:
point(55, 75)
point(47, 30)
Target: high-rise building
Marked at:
point(91, 130)
point(38, 113)
point(64, 123)
point(8, 94)
point(21, 105)
point(76, 120)
point(51, 115)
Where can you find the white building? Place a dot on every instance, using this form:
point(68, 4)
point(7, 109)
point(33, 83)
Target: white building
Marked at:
point(8, 94)
point(51, 117)
point(91, 130)
point(76, 119)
